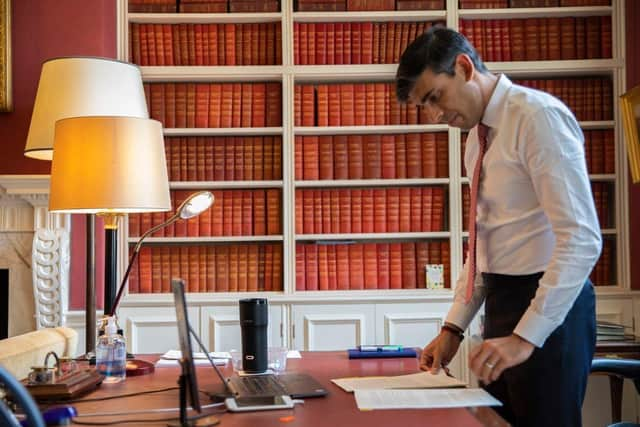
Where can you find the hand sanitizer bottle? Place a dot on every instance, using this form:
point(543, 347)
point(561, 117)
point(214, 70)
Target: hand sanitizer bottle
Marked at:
point(111, 353)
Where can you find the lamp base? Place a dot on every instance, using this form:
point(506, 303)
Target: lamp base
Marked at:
point(137, 367)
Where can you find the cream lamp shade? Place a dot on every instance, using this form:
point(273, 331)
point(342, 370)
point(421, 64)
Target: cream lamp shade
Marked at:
point(109, 165)
point(82, 86)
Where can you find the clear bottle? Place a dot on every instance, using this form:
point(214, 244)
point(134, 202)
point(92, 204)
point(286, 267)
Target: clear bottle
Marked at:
point(111, 353)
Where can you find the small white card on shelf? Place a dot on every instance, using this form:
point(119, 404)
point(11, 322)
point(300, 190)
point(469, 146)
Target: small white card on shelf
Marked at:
point(434, 276)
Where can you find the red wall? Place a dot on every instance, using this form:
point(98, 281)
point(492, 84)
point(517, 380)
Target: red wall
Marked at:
point(633, 78)
point(43, 29)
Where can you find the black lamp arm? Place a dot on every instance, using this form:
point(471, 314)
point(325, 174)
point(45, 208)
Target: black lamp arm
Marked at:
point(134, 255)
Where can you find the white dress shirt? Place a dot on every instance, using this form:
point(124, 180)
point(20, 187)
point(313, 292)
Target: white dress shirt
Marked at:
point(535, 208)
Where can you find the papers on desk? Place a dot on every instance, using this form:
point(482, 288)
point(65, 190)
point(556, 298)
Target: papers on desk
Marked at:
point(428, 399)
point(171, 358)
point(419, 380)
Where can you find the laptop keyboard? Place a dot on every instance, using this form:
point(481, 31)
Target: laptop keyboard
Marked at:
point(261, 385)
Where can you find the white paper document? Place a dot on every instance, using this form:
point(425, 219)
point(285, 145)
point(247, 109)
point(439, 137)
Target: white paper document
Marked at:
point(419, 380)
point(428, 399)
point(170, 363)
point(171, 358)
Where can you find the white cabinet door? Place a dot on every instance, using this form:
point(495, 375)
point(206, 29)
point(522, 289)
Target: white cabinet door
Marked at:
point(221, 326)
point(332, 327)
point(153, 329)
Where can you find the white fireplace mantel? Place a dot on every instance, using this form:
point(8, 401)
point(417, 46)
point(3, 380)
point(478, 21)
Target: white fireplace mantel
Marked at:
point(34, 246)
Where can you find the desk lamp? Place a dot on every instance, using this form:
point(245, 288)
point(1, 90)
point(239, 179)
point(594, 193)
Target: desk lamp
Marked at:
point(192, 207)
point(75, 87)
point(109, 166)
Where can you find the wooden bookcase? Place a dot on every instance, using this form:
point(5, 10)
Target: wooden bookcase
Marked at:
point(342, 318)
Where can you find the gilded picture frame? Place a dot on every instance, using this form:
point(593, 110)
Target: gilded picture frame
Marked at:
point(5, 56)
point(630, 109)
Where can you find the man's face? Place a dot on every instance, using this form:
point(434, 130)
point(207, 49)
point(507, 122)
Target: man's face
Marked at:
point(454, 100)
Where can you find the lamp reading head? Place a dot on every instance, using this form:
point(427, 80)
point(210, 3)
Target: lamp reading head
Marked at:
point(190, 208)
point(195, 204)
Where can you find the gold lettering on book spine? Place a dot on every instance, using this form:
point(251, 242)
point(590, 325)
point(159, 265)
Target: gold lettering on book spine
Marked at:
point(5, 55)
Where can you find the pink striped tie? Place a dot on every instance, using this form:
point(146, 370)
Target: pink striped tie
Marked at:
point(475, 184)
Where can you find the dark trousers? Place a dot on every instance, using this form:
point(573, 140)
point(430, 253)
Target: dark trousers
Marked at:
point(548, 389)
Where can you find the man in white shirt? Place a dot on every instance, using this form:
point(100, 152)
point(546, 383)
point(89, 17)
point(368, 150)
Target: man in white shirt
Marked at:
point(536, 232)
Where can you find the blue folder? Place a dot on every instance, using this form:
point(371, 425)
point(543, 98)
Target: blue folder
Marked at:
point(354, 353)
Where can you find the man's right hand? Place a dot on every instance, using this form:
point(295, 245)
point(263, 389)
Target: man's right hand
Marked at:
point(439, 352)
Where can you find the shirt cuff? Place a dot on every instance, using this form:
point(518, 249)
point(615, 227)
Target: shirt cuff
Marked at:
point(460, 315)
point(534, 327)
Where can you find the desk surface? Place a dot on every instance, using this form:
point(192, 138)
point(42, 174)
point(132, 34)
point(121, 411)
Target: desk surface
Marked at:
point(337, 409)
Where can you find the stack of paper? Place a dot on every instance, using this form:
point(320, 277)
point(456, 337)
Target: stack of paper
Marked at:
point(171, 358)
point(417, 399)
point(411, 381)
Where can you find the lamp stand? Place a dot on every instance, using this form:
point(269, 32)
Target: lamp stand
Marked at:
point(111, 261)
point(90, 296)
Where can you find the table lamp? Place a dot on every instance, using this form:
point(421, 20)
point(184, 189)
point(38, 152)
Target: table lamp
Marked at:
point(109, 166)
point(75, 87)
point(193, 206)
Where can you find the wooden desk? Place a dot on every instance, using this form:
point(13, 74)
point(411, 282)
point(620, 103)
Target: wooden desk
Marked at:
point(337, 409)
point(623, 349)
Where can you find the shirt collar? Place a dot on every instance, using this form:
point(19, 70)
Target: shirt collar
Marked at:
point(497, 101)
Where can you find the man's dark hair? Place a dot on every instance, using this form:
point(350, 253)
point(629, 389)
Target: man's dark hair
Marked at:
point(437, 50)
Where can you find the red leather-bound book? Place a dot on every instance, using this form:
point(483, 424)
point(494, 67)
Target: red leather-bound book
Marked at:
point(248, 103)
point(202, 272)
point(322, 91)
point(517, 30)
point(200, 158)
point(308, 105)
point(416, 209)
point(356, 264)
point(311, 164)
point(268, 268)
point(210, 254)
point(345, 210)
point(256, 106)
point(401, 156)
point(277, 268)
point(388, 156)
point(317, 210)
point(341, 157)
point(346, 43)
point(356, 210)
point(422, 259)
point(157, 102)
point(232, 269)
point(414, 155)
point(427, 209)
point(319, 57)
point(243, 268)
point(267, 158)
point(356, 156)
point(311, 267)
point(277, 157)
point(438, 205)
point(222, 268)
point(342, 266)
point(226, 105)
point(409, 280)
point(193, 284)
point(370, 266)
point(335, 210)
point(298, 157)
point(360, 104)
point(347, 104)
point(356, 43)
point(332, 268)
point(372, 157)
point(236, 104)
point(568, 38)
point(323, 268)
point(395, 266)
point(393, 210)
point(380, 210)
point(144, 267)
point(382, 260)
point(326, 211)
point(273, 211)
point(169, 105)
point(606, 37)
point(308, 211)
point(405, 209)
point(429, 155)
point(325, 157)
point(446, 262)
point(300, 267)
point(330, 41)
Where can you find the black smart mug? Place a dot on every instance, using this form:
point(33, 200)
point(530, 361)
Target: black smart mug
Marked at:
point(254, 318)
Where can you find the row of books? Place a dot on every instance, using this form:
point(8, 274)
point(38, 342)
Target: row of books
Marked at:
point(224, 158)
point(599, 146)
point(232, 268)
point(588, 98)
point(379, 210)
point(536, 39)
point(366, 5)
point(604, 272)
point(392, 156)
point(234, 213)
point(203, 6)
point(500, 4)
point(215, 105)
point(205, 44)
point(369, 265)
point(603, 196)
point(353, 104)
point(353, 42)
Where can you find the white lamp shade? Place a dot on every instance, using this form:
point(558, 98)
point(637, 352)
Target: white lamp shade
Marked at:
point(109, 165)
point(76, 87)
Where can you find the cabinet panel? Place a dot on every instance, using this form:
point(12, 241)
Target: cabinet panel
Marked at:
point(221, 327)
point(332, 327)
point(153, 329)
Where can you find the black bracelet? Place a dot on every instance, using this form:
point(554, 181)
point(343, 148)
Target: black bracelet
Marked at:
point(453, 330)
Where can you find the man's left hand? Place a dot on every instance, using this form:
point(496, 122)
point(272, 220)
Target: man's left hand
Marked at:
point(489, 359)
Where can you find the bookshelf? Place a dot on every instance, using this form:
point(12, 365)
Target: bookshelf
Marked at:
point(304, 318)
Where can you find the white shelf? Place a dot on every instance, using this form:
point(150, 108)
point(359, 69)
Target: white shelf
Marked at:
point(221, 239)
point(542, 12)
point(603, 177)
point(368, 16)
point(373, 236)
point(199, 73)
point(341, 73)
point(603, 124)
point(349, 130)
point(371, 182)
point(220, 185)
point(222, 131)
point(204, 18)
point(545, 69)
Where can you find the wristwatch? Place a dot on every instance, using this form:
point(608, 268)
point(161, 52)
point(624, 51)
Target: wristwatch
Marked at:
point(454, 330)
